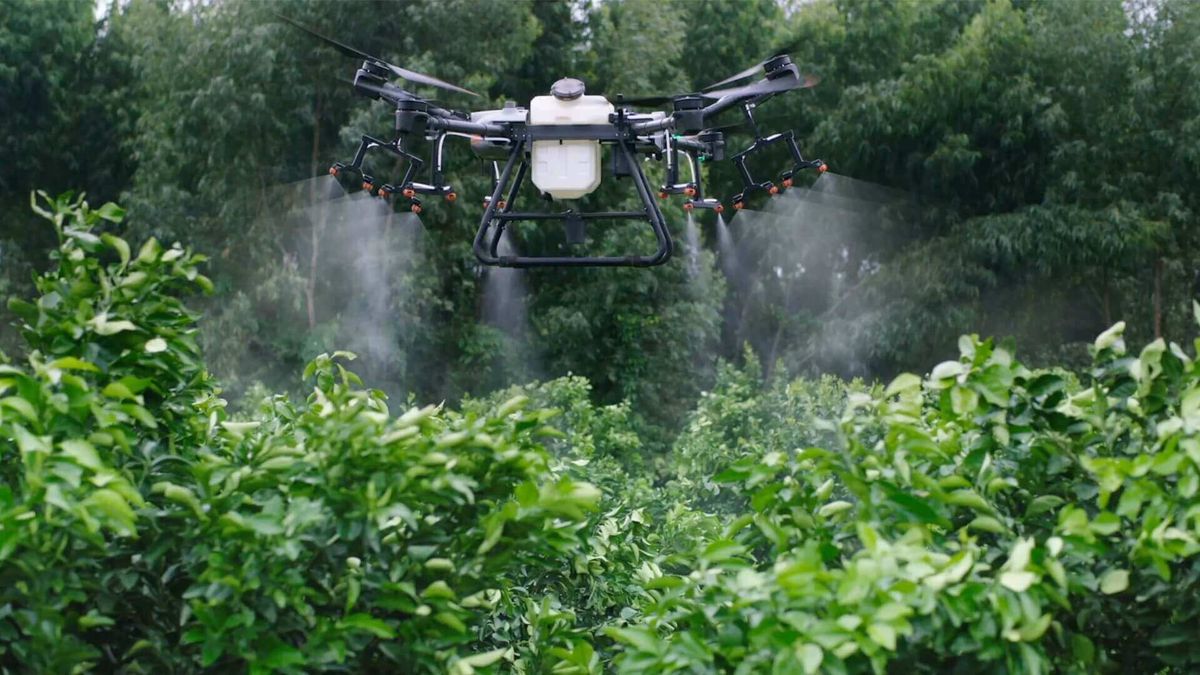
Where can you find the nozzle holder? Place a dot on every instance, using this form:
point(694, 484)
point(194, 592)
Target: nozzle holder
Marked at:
point(715, 140)
point(709, 203)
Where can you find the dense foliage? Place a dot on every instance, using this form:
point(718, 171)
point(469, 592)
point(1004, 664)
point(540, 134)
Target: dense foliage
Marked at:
point(984, 517)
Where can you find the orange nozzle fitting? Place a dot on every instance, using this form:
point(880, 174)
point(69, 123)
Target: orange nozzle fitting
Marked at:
point(333, 171)
point(663, 195)
point(501, 204)
point(689, 191)
point(773, 190)
point(367, 186)
point(823, 168)
point(739, 206)
point(409, 192)
point(688, 206)
point(787, 182)
point(416, 208)
point(719, 208)
point(451, 196)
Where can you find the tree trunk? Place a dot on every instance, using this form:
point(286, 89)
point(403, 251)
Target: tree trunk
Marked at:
point(1108, 319)
point(1158, 315)
point(318, 225)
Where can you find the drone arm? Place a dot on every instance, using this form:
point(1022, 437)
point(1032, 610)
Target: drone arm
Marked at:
point(450, 124)
point(721, 105)
point(643, 128)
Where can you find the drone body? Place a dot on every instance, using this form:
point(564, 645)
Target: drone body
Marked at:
point(559, 144)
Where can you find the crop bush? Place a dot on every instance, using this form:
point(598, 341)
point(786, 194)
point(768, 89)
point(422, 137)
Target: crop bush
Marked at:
point(985, 517)
point(143, 528)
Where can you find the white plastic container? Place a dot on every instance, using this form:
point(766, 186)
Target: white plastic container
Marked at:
point(567, 169)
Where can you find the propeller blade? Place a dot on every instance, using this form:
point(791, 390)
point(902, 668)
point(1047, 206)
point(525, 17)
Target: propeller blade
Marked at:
point(421, 78)
point(403, 73)
point(786, 49)
point(767, 87)
point(344, 49)
point(740, 76)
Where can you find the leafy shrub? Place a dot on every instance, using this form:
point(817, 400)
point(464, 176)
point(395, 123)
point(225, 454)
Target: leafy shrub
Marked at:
point(985, 517)
point(140, 527)
point(964, 521)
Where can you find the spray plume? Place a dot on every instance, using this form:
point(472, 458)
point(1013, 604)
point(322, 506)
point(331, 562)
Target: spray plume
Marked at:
point(798, 259)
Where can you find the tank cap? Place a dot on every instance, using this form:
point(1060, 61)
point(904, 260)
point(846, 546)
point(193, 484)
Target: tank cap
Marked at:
point(567, 89)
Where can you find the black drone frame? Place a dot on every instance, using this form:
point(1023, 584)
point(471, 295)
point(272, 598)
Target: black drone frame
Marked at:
point(628, 135)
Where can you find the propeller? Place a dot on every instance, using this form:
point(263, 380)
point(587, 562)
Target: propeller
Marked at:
point(766, 87)
point(754, 89)
point(784, 50)
point(403, 73)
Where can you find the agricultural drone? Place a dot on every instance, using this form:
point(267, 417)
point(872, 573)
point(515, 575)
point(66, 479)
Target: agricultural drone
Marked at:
point(556, 142)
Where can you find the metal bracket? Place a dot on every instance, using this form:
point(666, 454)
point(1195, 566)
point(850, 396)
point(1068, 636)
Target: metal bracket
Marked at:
point(498, 213)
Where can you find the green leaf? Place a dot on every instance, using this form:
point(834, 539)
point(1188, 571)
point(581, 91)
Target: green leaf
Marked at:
point(987, 524)
point(365, 622)
point(1105, 523)
point(918, 508)
point(1114, 581)
point(810, 656)
point(722, 549)
point(82, 453)
point(72, 363)
point(21, 406)
point(150, 251)
point(487, 658)
point(450, 621)
point(119, 244)
point(833, 508)
point(1017, 581)
point(114, 507)
point(1111, 338)
point(904, 382)
point(112, 213)
point(883, 635)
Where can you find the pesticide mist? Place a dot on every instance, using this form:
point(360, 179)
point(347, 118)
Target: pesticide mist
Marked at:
point(810, 249)
point(344, 281)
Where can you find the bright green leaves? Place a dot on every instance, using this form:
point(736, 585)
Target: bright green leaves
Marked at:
point(1114, 581)
point(1012, 497)
point(113, 509)
point(369, 624)
point(972, 515)
point(1015, 576)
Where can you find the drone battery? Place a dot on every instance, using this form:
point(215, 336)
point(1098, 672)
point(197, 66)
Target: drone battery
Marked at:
point(567, 169)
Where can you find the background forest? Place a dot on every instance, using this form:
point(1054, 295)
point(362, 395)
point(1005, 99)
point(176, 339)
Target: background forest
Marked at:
point(1049, 149)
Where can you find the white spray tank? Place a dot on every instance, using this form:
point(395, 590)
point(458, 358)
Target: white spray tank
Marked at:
point(567, 169)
